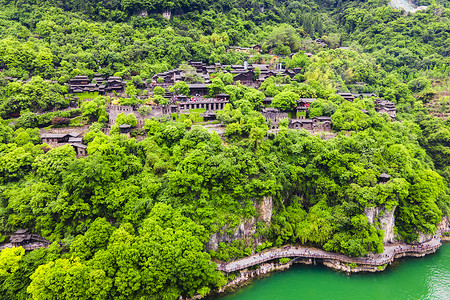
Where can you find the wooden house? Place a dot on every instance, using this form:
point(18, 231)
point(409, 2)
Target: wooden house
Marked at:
point(245, 78)
point(256, 47)
point(198, 65)
point(79, 84)
point(23, 238)
point(115, 84)
point(347, 96)
point(79, 81)
point(304, 103)
point(198, 89)
point(55, 138)
point(385, 106)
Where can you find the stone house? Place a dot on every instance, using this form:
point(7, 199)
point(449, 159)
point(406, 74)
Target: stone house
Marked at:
point(273, 116)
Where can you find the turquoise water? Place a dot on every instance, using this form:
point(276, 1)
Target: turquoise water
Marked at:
point(408, 278)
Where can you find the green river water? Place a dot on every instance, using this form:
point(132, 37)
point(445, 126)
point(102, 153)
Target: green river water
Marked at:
point(407, 278)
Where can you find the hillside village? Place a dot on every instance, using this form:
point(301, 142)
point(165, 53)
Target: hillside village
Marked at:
point(251, 75)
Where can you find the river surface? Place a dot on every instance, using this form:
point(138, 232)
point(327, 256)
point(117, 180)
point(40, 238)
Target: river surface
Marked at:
point(407, 278)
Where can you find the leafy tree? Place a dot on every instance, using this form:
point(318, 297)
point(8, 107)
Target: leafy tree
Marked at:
point(157, 90)
point(145, 110)
point(180, 88)
point(285, 101)
point(216, 87)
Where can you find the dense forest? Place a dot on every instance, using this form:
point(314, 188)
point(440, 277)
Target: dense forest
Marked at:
point(133, 219)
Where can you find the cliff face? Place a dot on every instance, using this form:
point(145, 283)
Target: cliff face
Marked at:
point(247, 228)
point(386, 219)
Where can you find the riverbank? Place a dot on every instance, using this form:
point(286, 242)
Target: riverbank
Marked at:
point(268, 261)
point(407, 278)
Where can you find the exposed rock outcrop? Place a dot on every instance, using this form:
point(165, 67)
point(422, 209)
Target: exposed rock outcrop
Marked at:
point(246, 276)
point(386, 219)
point(264, 209)
point(247, 228)
point(424, 237)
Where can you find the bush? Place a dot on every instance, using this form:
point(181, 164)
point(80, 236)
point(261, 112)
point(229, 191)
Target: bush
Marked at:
point(145, 110)
point(263, 246)
point(284, 260)
point(352, 265)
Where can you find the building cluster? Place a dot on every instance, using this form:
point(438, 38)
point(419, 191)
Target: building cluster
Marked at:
point(23, 238)
point(381, 106)
point(99, 84)
point(246, 74)
point(274, 117)
point(385, 106)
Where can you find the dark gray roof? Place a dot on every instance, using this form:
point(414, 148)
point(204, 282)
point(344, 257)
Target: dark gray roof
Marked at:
point(74, 133)
point(75, 140)
point(197, 85)
point(323, 118)
point(301, 121)
point(53, 135)
point(78, 145)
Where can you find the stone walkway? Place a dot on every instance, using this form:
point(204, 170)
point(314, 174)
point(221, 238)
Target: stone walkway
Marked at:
point(295, 252)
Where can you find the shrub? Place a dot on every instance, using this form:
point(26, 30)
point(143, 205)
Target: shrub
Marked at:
point(284, 260)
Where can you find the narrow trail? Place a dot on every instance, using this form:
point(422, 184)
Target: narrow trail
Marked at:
point(294, 252)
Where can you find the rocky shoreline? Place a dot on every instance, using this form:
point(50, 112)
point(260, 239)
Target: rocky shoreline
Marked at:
point(248, 274)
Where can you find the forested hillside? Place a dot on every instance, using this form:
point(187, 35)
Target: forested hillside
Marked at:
point(134, 218)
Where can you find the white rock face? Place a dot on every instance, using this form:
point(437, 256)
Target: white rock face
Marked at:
point(386, 219)
point(264, 209)
point(424, 237)
point(247, 228)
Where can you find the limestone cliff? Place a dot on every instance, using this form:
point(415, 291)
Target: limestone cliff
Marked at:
point(386, 219)
point(247, 228)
